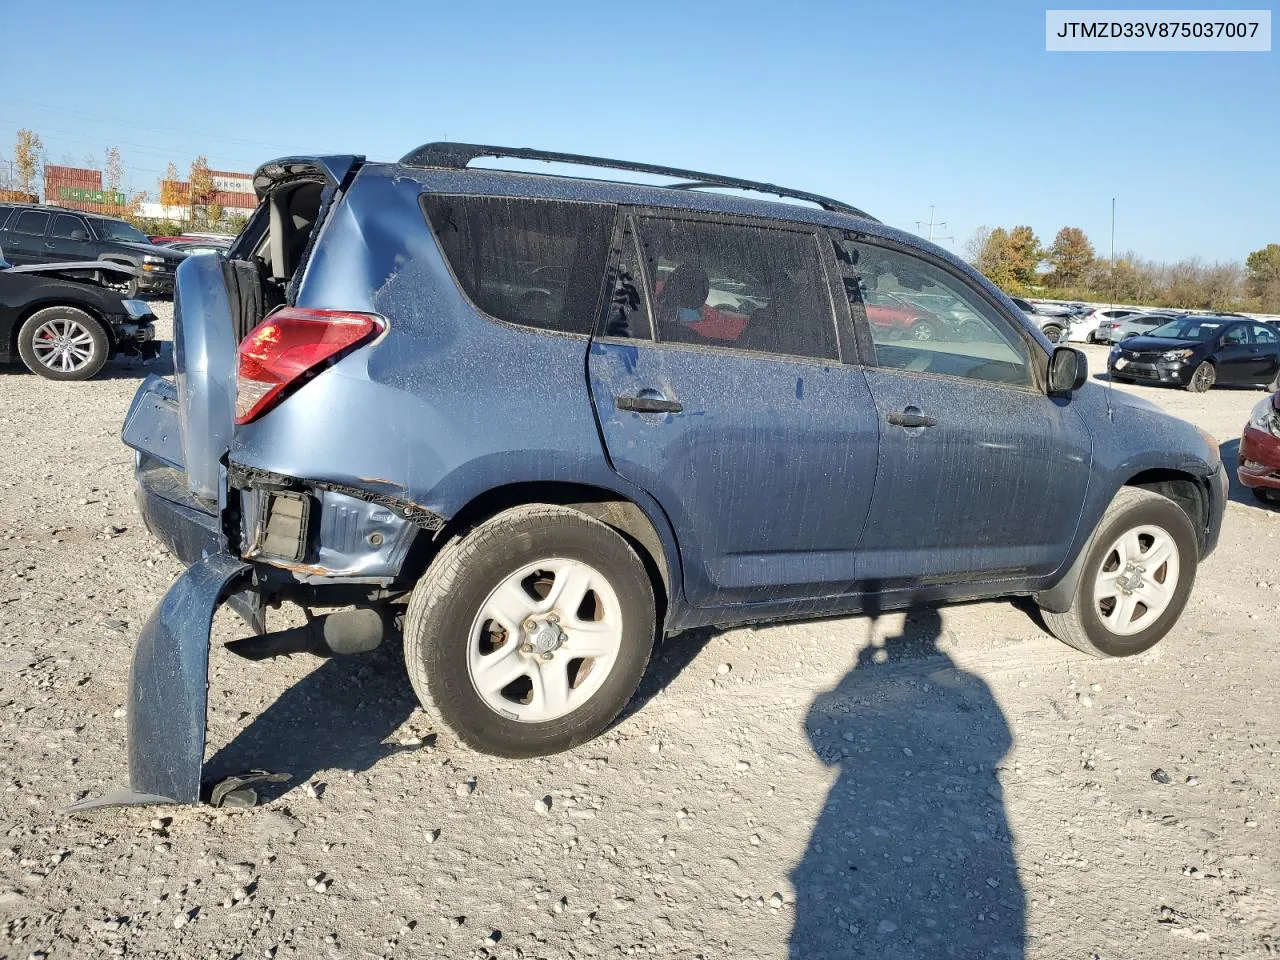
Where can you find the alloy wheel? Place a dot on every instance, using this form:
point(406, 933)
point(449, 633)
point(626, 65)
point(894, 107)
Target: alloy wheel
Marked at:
point(63, 345)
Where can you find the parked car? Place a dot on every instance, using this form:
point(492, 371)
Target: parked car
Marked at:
point(61, 322)
point(896, 316)
point(1050, 318)
point(1259, 459)
point(30, 233)
point(1197, 351)
point(1084, 327)
point(1136, 324)
point(546, 489)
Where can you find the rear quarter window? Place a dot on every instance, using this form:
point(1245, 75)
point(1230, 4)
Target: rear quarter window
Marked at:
point(537, 263)
point(4, 215)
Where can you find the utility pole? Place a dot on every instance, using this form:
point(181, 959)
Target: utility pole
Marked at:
point(932, 224)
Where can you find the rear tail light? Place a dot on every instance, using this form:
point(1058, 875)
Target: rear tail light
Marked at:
point(288, 348)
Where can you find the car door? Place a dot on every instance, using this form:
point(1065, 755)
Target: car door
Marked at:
point(718, 386)
point(1266, 353)
point(69, 239)
point(25, 237)
point(981, 475)
point(1236, 361)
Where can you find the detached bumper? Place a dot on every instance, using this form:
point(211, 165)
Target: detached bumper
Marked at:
point(168, 689)
point(1259, 464)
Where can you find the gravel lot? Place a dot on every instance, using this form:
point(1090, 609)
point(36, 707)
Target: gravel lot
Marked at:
point(950, 784)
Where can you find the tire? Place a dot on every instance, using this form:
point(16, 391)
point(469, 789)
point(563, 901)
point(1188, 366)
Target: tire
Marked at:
point(1264, 495)
point(1274, 385)
point(86, 346)
point(128, 289)
point(1203, 379)
point(1147, 514)
point(1090, 337)
point(448, 636)
point(1053, 333)
point(924, 330)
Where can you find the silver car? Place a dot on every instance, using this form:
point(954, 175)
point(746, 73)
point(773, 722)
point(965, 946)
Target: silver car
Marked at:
point(1115, 330)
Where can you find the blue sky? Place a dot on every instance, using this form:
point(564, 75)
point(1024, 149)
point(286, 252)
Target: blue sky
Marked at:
point(890, 106)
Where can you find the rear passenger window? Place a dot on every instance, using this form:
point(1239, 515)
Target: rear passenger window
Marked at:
point(538, 263)
point(64, 226)
point(33, 222)
point(1264, 335)
point(733, 285)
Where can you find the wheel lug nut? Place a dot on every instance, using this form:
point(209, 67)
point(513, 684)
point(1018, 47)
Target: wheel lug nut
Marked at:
point(526, 648)
point(531, 624)
point(553, 618)
point(546, 656)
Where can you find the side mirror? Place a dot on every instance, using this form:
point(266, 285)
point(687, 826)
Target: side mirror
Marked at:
point(1068, 370)
point(79, 235)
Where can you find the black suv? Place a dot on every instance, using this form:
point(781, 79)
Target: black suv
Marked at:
point(30, 233)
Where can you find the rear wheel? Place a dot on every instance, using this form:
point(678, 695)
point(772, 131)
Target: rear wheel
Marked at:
point(529, 635)
point(1137, 576)
point(63, 343)
point(1054, 334)
point(924, 330)
point(1203, 378)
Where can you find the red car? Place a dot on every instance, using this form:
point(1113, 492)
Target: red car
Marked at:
point(1260, 450)
point(896, 317)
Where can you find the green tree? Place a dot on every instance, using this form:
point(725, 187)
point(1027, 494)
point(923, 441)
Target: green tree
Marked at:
point(1263, 279)
point(1071, 256)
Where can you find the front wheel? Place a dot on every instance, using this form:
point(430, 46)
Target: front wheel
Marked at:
point(1136, 579)
point(1203, 378)
point(63, 343)
point(1053, 334)
point(529, 635)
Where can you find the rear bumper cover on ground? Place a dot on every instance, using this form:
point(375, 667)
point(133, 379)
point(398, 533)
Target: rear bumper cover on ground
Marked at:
point(168, 693)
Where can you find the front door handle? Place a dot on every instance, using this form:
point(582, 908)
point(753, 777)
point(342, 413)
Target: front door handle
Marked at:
point(911, 418)
point(648, 404)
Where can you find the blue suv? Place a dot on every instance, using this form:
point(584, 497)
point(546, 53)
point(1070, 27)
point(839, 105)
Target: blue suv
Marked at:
point(538, 422)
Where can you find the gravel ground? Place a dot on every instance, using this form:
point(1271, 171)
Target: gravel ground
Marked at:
point(950, 784)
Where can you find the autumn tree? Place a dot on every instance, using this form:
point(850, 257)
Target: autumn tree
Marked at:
point(202, 189)
point(1263, 279)
point(113, 169)
point(995, 258)
point(28, 157)
point(170, 191)
point(1070, 256)
point(1025, 254)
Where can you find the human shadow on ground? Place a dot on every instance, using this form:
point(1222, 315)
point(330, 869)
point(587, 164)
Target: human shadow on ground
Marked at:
point(911, 856)
point(338, 717)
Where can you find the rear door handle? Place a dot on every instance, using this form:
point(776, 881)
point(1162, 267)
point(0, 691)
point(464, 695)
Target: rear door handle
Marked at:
point(908, 419)
point(648, 404)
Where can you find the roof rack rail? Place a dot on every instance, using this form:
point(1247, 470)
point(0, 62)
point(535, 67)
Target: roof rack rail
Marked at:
point(458, 155)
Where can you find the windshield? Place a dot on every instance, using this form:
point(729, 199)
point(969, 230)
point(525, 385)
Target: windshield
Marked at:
point(119, 230)
point(1191, 328)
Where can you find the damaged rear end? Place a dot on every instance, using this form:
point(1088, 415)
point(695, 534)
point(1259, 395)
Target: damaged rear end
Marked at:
point(255, 535)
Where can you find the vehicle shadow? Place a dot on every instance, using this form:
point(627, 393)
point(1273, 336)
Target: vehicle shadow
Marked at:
point(1238, 492)
point(338, 717)
point(911, 856)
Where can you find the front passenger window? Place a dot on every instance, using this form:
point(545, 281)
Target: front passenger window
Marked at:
point(928, 320)
point(1236, 335)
